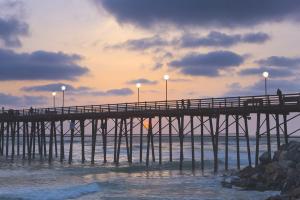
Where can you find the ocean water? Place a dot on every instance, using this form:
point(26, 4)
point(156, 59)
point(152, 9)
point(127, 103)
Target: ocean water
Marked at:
point(39, 180)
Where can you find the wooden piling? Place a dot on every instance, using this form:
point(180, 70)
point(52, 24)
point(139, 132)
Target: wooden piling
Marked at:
point(33, 140)
point(247, 140)
point(268, 135)
point(152, 144)
point(213, 141)
point(115, 140)
point(44, 141)
point(24, 140)
point(2, 138)
point(104, 134)
point(141, 139)
point(72, 127)
point(18, 138)
point(39, 139)
point(62, 143)
point(226, 140)
point(159, 140)
point(257, 138)
point(237, 141)
point(202, 141)
point(170, 139)
point(120, 140)
point(180, 120)
point(130, 139)
point(277, 130)
point(148, 140)
point(13, 134)
point(216, 137)
point(55, 140)
point(52, 126)
point(126, 139)
point(82, 140)
point(7, 138)
point(192, 142)
point(285, 129)
point(94, 136)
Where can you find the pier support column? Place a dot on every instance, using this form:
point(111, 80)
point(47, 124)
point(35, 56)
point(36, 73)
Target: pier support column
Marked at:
point(51, 141)
point(2, 138)
point(159, 140)
point(82, 141)
point(120, 140)
point(130, 139)
point(94, 137)
point(72, 127)
point(285, 129)
point(104, 136)
point(18, 138)
point(62, 143)
point(277, 131)
point(237, 129)
point(202, 141)
point(247, 140)
point(7, 139)
point(257, 139)
point(193, 142)
point(268, 135)
point(226, 140)
point(115, 140)
point(170, 139)
point(180, 120)
point(141, 139)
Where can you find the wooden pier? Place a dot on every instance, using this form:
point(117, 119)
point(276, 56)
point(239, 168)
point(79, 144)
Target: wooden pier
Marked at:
point(40, 133)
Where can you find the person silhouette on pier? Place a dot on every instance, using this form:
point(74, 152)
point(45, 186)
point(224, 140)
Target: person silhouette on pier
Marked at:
point(279, 93)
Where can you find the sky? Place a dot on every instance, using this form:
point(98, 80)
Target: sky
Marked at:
point(100, 49)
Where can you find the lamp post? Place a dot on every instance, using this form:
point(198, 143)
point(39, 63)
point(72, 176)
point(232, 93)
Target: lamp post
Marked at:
point(166, 77)
point(138, 85)
point(63, 88)
point(53, 94)
point(266, 75)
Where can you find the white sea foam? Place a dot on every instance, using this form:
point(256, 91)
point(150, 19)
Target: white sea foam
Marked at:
point(50, 193)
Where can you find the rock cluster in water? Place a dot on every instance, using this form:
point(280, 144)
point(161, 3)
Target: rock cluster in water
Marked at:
point(282, 173)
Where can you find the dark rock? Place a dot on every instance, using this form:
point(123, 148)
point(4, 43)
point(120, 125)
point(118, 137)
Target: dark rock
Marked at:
point(282, 155)
point(295, 193)
point(285, 164)
point(264, 158)
point(247, 172)
point(280, 173)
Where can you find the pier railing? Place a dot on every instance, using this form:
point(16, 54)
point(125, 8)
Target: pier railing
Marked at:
point(260, 101)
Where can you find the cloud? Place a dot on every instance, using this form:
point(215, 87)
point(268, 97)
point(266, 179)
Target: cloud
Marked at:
point(280, 61)
point(141, 44)
point(158, 66)
point(40, 65)
point(207, 64)
point(218, 39)
point(11, 30)
point(177, 80)
point(273, 71)
point(220, 13)
point(255, 37)
point(142, 81)
point(114, 92)
point(21, 101)
point(213, 39)
point(82, 90)
point(48, 87)
point(258, 88)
